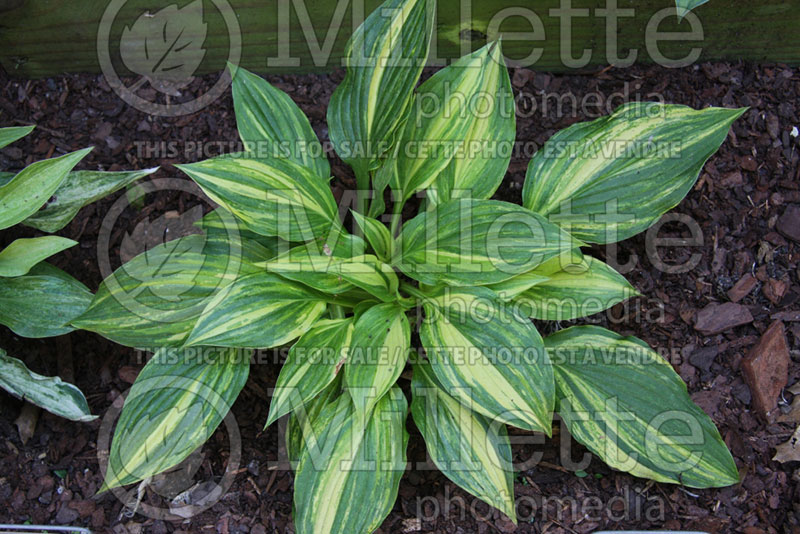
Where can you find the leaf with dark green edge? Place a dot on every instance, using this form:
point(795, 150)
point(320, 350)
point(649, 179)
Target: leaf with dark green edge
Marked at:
point(477, 170)
point(467, 447)
point(465, 242)
point(221, 227)
point(176, 403)
point(13, 133)
point(508, 289)
point(22, 254)
point(24, 194)
point(608, 179)
point(6, 177)
point(311, 265)
point(43, 302)
point(627, 405)
point(378, 353)
point(384, 59)
point(273, 197)
point(488, 357)
point(313, 362)
point(80, 188)
point(299, 426)
point(272, 126)
point(155, 299)
point(685, 6)
point(50, 393)
point(377, 235)
point(351, 461)
point(574, 290)
point(370, 274)
point(260, 310)
point(441, 120)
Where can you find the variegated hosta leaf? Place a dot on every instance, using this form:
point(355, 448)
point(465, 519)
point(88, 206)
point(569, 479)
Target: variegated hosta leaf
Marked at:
point(51, 393)
point(155, 299)
point(685, 6)
point(175, 404)
point(43, 302)
point(312, 364)
point(574, 290)
point(628, 406)
point(24, 194)
point(350, 469)
point(272, 126)
point(309, 265)
point(378, 353)
point(606, 180)
point(274, 197)
point(261, 310)
point(488, 357)
point(469, 448)
point(377, 235)
point(303, 416)
point(508, 289)
point(444, 112)
point(384, 59)
point(466, 242)
point(22, 254)
point(226, 234)
point(11, 134)
point(79, 189)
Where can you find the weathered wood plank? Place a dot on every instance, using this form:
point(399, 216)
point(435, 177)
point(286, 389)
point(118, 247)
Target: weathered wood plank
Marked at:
point(46, 37)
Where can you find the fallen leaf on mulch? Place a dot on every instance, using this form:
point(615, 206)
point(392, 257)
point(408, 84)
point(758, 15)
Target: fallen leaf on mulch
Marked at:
point(789, 451)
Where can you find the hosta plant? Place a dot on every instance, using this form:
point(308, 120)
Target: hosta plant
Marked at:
point(439, 308)
point(38, 299)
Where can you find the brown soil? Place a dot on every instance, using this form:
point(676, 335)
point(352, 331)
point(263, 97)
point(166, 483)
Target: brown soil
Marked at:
point(52, 479)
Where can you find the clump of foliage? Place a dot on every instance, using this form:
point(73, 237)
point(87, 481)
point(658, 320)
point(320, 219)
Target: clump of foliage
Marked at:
point(277, 265)
point(38, 299)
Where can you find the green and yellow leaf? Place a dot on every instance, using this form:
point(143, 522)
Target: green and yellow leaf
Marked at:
point(627, 405)
point(22, 254)
point(488, 357)
point(176, 403)
point(377, 235)
point(608, 179)
point(467, 447)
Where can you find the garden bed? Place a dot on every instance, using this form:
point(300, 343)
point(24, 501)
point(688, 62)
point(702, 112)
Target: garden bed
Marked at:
point(739, 198)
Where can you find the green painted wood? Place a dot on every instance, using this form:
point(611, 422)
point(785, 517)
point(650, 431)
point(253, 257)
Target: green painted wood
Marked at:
point(47, 37)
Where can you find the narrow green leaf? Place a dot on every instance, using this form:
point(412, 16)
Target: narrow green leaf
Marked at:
point(176, 403)
point(377, 235)
point(43, 302)
point(574, 290)
point(312, 364)
point(260, 310)
point(488, 357)
point(274, 197)
point(272, 126)
point(221, 227)
point(51, 393)
point(302, 419)
point(606, 180)
point(155, 299)
point(22, 254)
point(384, 59)
point(348, 475)
point(478, 170)
point(33, 186)
point(79, 189)
point(628, 406)
point(378, 353)
point(11, 134)
point(467, 242)
point(685, 6)
point(467, 447)
point(441, 120)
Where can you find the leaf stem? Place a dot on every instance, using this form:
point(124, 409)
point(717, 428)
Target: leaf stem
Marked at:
point(413, 291)
point(337, 312)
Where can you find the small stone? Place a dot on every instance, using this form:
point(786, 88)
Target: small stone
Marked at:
point(704, 357)
point(766, 369)
point(66, 515)
point(742, 288)
point(789, 223)
point(717, 318)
